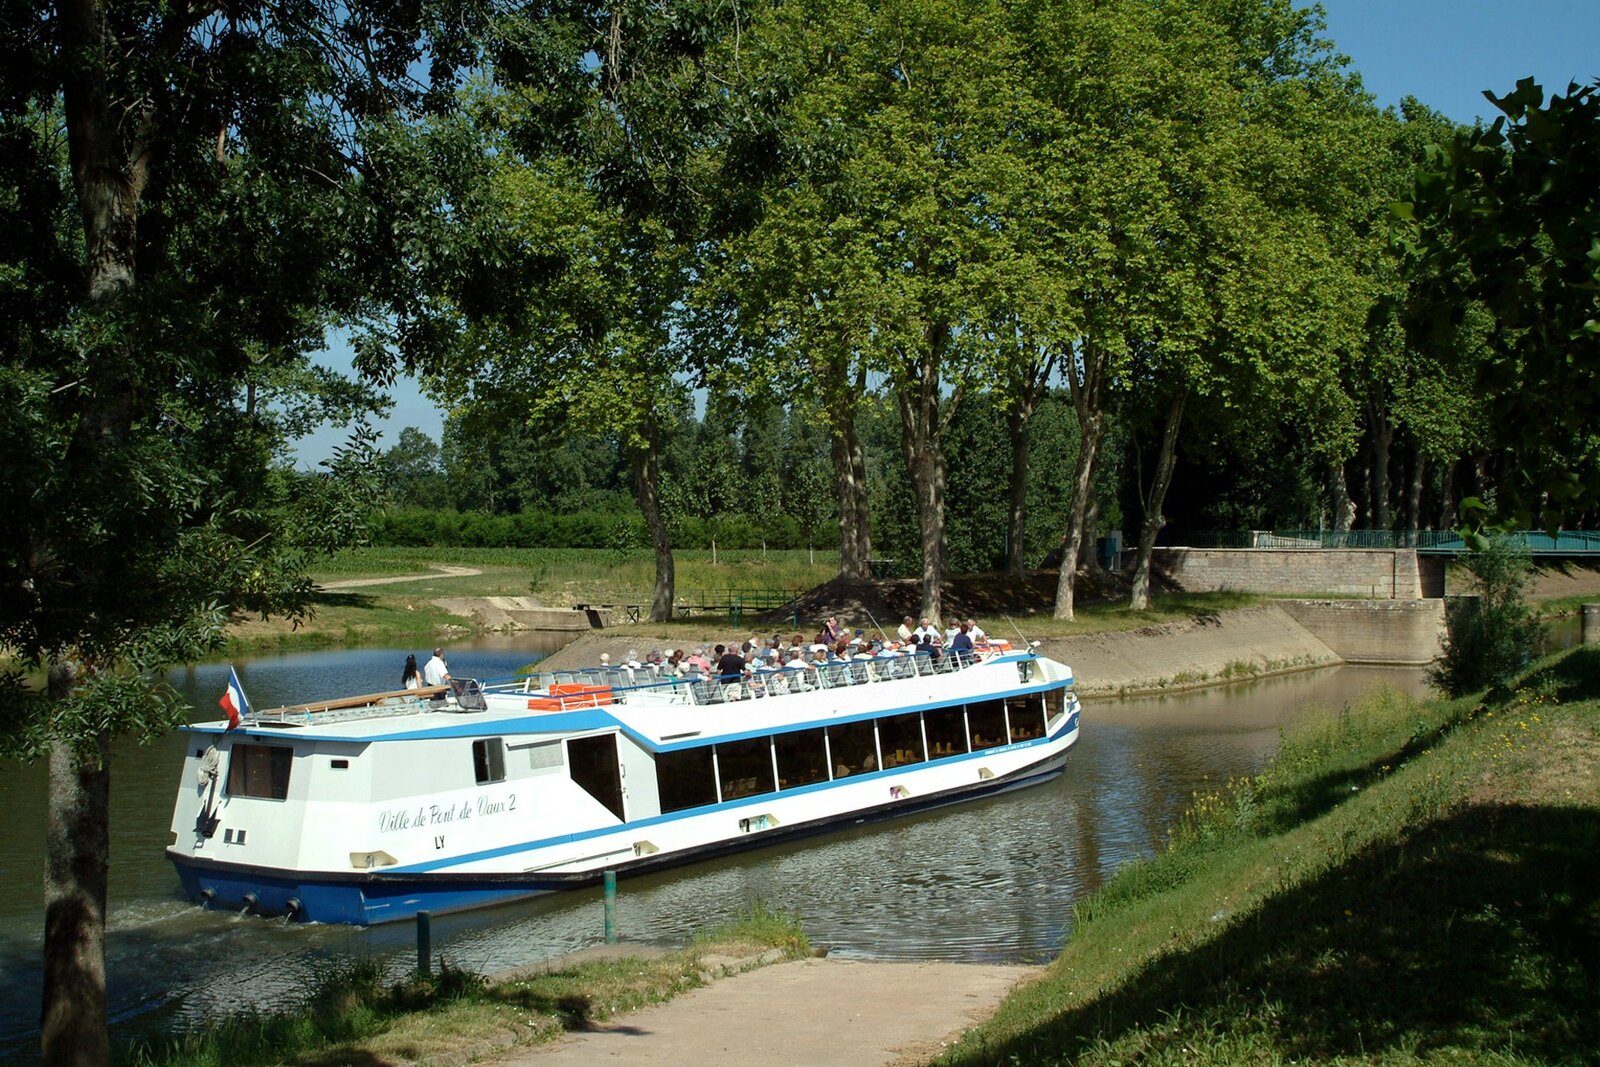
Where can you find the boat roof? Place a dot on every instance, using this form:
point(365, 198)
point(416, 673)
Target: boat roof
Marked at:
point(660, 714)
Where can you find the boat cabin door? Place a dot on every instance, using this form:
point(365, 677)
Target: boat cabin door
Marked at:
point(593, 761)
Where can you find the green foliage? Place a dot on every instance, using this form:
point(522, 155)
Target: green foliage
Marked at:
point(1491, 635)
point(1502, 219)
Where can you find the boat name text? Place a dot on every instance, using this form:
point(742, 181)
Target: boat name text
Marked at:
point(391, 819)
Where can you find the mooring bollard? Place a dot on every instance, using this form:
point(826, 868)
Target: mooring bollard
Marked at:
point(1590, 632)
point(424, 943)
point(611, 907)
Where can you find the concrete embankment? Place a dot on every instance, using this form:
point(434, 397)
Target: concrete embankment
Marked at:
point(1227, 646)
point(1201, 651)
point(1283, 636)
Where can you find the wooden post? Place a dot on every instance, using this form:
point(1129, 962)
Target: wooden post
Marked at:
point(424, 943)
point(611, 907)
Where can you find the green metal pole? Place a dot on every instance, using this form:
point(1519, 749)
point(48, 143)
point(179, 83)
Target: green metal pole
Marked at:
point(611, 907)
point(424, 943)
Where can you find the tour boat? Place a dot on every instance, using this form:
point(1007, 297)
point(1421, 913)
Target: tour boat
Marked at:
point(371, 809)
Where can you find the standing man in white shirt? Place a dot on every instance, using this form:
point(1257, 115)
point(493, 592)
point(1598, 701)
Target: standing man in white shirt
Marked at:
point(436, 671)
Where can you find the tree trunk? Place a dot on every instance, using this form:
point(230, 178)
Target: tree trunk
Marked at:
point(1447, 496)
point(1344, 509)
point(850, 478)
point(646, 465)
point(1024, 399)
point(1085, 370)
point(1419, 474)
point(1139, 600)
point(1017, 426)
point(1382, 441)
point(1088, 558)
point(922, 422)
point(110, 147)
point(72, 1021)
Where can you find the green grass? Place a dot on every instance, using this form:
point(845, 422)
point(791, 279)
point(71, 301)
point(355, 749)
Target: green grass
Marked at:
point(570, 575)
point(348, 619)
point(352, 1016)
point(1117, 616)
point(1407, 883)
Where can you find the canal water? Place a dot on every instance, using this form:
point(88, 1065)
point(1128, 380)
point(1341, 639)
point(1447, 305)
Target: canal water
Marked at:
point(990, 881)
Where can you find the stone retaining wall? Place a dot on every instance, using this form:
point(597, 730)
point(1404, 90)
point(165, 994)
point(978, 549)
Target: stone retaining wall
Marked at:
point(1390, 573)
point(1401, 632)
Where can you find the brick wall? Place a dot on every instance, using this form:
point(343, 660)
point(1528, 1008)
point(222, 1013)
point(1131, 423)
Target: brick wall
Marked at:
point(1397, 574)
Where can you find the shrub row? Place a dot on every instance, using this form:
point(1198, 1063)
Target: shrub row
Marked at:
point(425, 528)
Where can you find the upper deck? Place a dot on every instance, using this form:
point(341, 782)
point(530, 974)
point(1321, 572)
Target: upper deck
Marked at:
point(662, 712)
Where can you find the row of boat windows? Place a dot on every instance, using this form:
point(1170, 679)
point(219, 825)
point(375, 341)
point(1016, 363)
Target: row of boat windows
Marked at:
point(730, 770)
point(694, 777)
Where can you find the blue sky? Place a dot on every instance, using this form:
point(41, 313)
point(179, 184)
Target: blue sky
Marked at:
point(1443, 52)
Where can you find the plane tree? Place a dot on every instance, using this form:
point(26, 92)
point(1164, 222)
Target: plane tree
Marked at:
point(1271, 226)
point(1501, 222)
point(590, 222)
point(885, 238)
point(193, 197)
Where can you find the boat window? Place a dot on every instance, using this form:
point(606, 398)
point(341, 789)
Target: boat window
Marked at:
point(901, 737)
point(594, 767)
point(260, 771)
point(489, 760)
point(987, 721)
point(1027, 717)
point(855, 750)
point(685, 778)
point(802, 758)
point(746, 767)
point(947, 731)
point(1054, 701)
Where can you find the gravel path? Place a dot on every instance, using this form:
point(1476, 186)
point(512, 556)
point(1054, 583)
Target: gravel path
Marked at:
point(440, 570)
point(822, 1012)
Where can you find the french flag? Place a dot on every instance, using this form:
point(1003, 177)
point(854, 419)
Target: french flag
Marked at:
point(233, 701)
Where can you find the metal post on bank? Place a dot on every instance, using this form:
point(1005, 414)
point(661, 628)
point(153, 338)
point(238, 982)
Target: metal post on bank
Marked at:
point(611, 907)
point(424, 943)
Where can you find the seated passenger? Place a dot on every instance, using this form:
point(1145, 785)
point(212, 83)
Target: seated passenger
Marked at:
point(961, 647)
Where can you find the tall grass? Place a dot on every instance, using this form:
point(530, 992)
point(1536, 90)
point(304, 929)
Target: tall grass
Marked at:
point(1407, 882)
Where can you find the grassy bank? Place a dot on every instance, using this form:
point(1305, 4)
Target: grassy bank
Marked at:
point(353, 1017)
point(1407, 883)
point(405, 612)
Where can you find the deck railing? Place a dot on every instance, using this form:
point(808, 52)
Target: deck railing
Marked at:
point(596, 687)
point(645, 683)
point(1442, 542)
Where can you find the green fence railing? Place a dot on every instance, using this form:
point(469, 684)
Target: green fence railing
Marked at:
point(1442, 542)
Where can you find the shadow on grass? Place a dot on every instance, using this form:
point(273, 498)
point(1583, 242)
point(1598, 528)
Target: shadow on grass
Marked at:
point(1571, 678)
point(1479, 931)
point(341, 599)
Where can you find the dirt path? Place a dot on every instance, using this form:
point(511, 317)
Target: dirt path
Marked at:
point(440, 570)
point(831, 1013)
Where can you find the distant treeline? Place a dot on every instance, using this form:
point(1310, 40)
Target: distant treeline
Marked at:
point(423, 527)
point(738, 483)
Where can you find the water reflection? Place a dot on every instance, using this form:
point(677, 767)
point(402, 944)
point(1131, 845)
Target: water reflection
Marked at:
point(991, 881)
